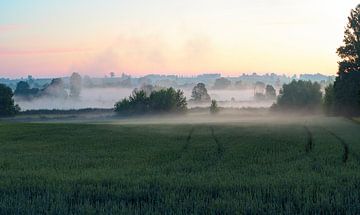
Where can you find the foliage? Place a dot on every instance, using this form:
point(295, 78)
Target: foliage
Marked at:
point(23, 90)
point(222, 83)
point(214, 109)
point(329, 98)
point(270, 92)
point(163, 100)
point(346, 98)
point(299, 95)
point(246, 168)
point(200, 94)
point(7, 106)
point(75, 85)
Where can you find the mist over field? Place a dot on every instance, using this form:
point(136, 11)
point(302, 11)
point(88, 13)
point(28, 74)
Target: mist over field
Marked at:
point(107, 97)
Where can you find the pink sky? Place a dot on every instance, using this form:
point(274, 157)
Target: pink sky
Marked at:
point(182, 37)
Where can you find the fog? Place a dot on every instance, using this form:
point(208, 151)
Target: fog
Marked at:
point(107, 97)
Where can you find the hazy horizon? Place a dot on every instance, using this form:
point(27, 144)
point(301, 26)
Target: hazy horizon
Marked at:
point(54, 39)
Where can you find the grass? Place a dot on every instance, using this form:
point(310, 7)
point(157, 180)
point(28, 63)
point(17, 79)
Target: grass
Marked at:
point(290, 167)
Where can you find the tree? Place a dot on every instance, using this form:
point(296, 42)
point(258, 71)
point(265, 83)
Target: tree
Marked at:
point(7, 106)
point(23, 90)
point(75, 85)
point(270, 92)
point(163, 100)
point(299, 95)
point(214, 109)
point(55, 89)
point(259, 87)
point(200, 94)
point(346, 89)
point(329, 99)
point(222, 83)
point(167, 100)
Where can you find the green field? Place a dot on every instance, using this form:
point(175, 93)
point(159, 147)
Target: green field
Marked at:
point(296, 166)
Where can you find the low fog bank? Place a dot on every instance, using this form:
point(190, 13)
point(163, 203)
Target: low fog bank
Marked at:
point(107, 97)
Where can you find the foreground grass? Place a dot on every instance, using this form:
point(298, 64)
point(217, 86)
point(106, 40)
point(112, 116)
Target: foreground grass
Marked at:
point(291, 167)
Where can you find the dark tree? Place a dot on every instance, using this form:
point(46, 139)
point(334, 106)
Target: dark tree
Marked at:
point(75, 85)
point(7, 106)
point(214, 108)
point(270, 92)
point(23, 90)
point(165, 100)
point(329, 99)
point(299, 95)
point(200, 94)
point(346, 92)
point(222, 83)
point(168, 100)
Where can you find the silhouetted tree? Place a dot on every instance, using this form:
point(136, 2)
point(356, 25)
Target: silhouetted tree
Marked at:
point(167, 100)
point(24, 91)
point(75, 85)
point(299, 95)
point(270, 92)
point(164, 100)
point(222, 83)
point(7, 106)
point(214, 109)
point(200, 94)
point(346, 99)
point(329, 99)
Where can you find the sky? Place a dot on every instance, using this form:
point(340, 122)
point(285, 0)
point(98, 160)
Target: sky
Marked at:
point(54, 38)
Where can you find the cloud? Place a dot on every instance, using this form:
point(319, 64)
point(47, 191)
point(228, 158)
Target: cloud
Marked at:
point(138, 54)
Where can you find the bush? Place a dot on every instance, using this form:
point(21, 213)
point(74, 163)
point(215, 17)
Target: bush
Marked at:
point(164, 100)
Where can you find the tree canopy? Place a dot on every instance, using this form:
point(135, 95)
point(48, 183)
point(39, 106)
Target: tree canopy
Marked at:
point(7, 106)
point(299, 95)
point(164, 100)
point(345, 95)
point(200, 94)
point(23, 90)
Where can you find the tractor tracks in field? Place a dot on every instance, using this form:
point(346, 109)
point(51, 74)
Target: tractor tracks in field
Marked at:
point(346, 152)
point(220, 147)
point(309, 146)
point(188, 139)
point(309, 142)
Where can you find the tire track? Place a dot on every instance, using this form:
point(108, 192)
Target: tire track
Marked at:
point(310, 143)
point(220, 147)
point(188, 139)
point(346, 152)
